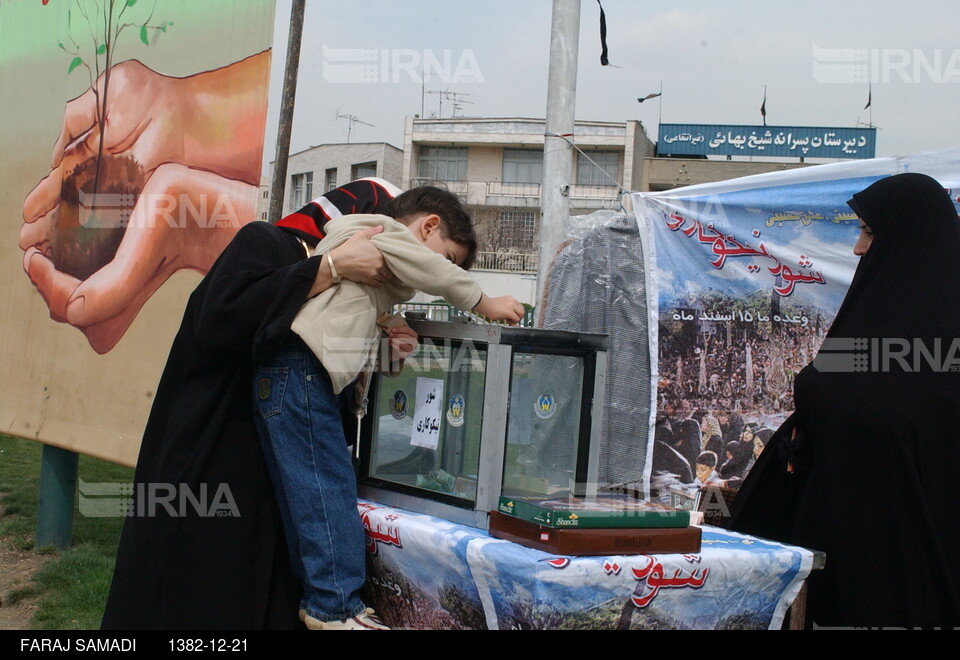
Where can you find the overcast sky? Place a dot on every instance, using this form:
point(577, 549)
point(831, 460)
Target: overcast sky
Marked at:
point(816, 59)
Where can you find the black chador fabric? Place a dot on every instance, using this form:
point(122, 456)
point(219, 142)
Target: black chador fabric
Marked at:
point(876, 458)
point(203, 547)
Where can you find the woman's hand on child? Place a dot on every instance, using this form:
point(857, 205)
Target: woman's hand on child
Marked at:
point(360, 261)
point(357, 260)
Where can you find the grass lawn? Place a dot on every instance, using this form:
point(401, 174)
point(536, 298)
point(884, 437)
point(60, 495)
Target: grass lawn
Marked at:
point(72, 587)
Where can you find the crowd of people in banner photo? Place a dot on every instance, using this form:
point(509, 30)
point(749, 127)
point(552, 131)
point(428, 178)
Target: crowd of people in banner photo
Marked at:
point(725, 386)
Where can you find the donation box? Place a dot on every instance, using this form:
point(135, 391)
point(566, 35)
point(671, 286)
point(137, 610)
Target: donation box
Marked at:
point(481, 411)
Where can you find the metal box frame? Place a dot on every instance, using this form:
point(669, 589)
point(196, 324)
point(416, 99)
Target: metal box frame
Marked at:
point(501, 344)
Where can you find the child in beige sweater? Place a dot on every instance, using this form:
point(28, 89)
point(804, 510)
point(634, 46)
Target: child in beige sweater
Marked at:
point(427, 244)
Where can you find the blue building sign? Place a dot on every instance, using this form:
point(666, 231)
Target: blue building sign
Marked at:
point(777, 141)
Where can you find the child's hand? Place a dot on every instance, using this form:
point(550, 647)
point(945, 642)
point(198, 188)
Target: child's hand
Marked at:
point(403, 342)
point(502, 308)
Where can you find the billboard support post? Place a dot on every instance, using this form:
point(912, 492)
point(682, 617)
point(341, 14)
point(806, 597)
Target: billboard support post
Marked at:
point(58, 486)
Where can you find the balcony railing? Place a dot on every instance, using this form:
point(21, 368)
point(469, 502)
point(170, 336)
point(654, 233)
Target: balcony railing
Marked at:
point(581, 191)
point(528, 191)
point(507, 262)
point(507, 189)
point(456, 187)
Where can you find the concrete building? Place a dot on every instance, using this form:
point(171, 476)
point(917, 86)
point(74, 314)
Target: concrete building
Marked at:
point(313, 171)
point(263, 201)
point(496, 166)
point(668, 173)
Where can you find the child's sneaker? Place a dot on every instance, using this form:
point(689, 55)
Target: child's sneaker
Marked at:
point(366, 620)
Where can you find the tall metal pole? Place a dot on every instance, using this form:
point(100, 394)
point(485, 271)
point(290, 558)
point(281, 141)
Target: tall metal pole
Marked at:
point(286, 110)
point(557, 151)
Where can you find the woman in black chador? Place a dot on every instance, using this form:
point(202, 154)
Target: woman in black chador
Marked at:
point(184, 567)
point(866, 468)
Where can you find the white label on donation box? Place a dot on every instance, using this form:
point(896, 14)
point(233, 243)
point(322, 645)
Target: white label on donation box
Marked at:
point(426, 414)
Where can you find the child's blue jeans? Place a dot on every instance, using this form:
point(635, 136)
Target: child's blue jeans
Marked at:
point(298, 419)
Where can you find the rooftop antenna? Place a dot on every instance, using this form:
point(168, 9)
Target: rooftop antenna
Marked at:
point(423, 91)
point(350, 121)
point(457, 98)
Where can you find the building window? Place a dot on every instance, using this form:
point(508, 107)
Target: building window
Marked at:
point(364, 170)
point(266, 193)
point(302, 189)
point(522, 165)
point(296, 196)
point(331, 179)
point(606, 172)
point(443, 163)
point(517, 230)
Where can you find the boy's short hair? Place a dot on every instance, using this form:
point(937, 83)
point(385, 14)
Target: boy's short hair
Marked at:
point(707, 458)
point(455, 222)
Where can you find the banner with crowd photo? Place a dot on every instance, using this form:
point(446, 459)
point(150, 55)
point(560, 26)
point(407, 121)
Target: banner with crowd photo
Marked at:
point(132, 145)
point(744, 279)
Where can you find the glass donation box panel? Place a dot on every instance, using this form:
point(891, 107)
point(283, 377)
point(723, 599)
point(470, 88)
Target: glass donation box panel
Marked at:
point(481, 411)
